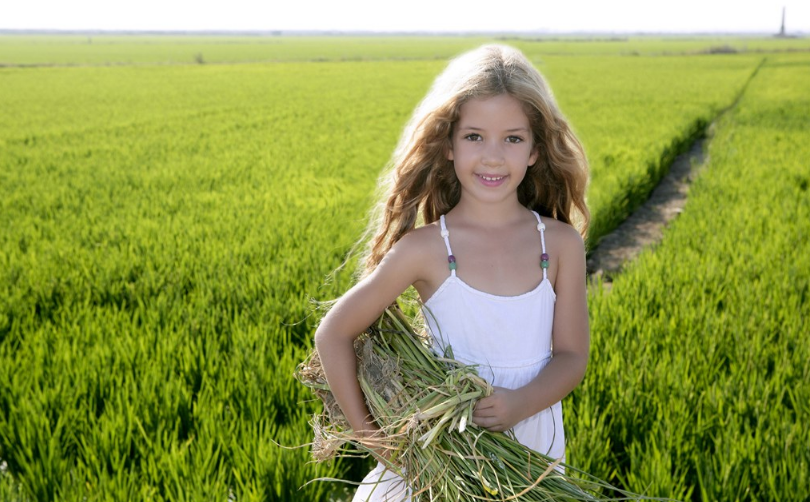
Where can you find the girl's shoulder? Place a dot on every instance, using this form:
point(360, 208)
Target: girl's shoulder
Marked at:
point(420, 242)
point(563, 236)
point(567, 251)
point(418, 252)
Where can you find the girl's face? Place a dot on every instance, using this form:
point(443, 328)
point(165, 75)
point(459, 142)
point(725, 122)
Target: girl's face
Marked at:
point(491, 148)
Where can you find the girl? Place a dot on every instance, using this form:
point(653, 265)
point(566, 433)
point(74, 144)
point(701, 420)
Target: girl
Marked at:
point(477, 215)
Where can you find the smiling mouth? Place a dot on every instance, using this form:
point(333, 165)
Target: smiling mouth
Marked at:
point(491, 178)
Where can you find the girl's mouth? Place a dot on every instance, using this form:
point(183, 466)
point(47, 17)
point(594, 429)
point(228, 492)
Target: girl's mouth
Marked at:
point(490, 180)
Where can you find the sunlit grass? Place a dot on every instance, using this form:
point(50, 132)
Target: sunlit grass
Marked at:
point(163, 229)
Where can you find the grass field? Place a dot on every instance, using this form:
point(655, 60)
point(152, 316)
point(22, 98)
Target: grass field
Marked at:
point(117, 50)
point(165, 227)
point(698, 382)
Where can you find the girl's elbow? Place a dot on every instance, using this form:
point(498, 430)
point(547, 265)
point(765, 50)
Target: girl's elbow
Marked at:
point(329, 336)
point(577, 363)
point(322, 338)
point(582, 367)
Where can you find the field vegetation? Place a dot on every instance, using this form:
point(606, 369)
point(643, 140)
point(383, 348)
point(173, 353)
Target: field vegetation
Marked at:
point(111, 49)
point(165, 228)
point(697, 387)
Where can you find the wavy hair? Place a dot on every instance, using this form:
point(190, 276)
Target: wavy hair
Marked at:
point(420, 183)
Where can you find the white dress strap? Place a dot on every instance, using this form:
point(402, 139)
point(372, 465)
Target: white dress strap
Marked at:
point(543, 257)
point(451, 260)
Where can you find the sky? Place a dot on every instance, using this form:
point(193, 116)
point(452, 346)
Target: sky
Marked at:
point(461, 16)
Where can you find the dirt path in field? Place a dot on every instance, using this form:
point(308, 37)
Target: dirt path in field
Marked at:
point(646, 225)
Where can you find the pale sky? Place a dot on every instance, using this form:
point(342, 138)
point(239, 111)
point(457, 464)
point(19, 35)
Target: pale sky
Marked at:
point(650, 16)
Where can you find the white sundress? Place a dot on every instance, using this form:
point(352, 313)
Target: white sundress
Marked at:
point(507, 337)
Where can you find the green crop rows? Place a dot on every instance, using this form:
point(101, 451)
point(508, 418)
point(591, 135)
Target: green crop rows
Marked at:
point(698, 387)
point(165, 228)
point(103, 49)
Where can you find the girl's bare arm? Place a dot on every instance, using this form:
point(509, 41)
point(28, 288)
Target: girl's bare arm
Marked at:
point(351, 315)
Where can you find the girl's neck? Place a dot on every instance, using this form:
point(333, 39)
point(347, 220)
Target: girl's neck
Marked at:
point(489, 215)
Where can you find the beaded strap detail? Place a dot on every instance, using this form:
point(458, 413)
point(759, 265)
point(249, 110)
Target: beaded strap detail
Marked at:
point(541, 227)
point(451, 260)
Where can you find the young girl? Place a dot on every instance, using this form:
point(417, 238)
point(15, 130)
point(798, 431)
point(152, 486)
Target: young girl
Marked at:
point(477, 216)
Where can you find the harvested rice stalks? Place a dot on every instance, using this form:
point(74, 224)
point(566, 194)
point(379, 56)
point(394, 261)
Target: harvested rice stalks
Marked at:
point(423, 402)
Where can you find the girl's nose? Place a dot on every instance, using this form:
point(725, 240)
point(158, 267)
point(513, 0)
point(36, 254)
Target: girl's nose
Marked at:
point(493, 153)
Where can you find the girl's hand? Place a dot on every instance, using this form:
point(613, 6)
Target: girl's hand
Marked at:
point(500, 411)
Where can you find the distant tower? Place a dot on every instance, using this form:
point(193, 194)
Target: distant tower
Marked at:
point(782, 31)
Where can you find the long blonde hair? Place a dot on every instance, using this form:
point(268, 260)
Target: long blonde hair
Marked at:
point(420, 184)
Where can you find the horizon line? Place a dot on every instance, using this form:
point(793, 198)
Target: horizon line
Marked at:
point(277, 33)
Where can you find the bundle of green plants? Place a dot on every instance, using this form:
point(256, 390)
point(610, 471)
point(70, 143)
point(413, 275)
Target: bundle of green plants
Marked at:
point(423, 402)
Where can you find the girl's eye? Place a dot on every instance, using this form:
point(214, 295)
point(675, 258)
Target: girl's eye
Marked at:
point(514, 139)
point(473, 137)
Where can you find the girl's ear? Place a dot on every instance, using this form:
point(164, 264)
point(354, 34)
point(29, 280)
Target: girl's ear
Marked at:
point(535, 154)
point(448, 152)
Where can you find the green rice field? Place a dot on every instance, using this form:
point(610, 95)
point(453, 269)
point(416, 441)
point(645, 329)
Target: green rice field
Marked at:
point(171, 207)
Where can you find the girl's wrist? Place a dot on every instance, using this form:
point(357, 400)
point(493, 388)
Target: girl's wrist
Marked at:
point(365, 427)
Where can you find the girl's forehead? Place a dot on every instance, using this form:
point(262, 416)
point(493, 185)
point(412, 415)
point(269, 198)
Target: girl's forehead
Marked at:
point(493, 109)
